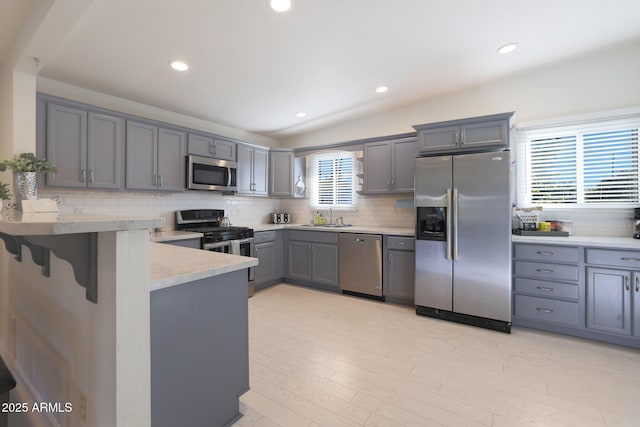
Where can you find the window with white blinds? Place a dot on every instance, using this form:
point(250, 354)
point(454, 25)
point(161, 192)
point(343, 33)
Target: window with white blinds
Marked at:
point(584, 164)
point(333, 183)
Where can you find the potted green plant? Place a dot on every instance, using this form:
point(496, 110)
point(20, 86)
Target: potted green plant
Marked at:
point(5, 194)
point(25, 168)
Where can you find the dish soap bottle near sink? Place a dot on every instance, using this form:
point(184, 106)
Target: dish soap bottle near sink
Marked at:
point(318, 219)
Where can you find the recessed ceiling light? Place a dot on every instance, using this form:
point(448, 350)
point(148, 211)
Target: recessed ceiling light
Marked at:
point(382, 89)
point(507, 48)
point(280, 5)
point(179, 65)
point(301, 114)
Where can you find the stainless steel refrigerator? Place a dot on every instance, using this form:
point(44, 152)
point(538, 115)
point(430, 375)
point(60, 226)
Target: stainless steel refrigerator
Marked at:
point(463, 238)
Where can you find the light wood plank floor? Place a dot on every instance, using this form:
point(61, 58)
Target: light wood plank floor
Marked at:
point(323, 359)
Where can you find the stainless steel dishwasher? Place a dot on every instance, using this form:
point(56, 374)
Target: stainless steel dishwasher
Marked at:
point(361, 264)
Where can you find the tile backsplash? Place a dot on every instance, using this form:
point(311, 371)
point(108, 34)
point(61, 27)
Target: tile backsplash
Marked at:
point(240, 210)
point(387, 211)
point(595, 222)
point(371, 211)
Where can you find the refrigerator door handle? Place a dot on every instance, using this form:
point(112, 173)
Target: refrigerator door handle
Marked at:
point(449, 224)
point(455, 224)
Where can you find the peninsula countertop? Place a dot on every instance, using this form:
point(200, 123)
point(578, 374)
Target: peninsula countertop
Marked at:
point(174, 265)
point(16, 223)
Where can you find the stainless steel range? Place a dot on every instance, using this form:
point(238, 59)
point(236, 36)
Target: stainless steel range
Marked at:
point(229, 240)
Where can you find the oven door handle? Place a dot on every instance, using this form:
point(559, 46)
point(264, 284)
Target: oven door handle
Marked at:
point(208, 246)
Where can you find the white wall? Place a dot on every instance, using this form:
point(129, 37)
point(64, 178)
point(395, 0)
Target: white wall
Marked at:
point(601, 81)
point(605, 80)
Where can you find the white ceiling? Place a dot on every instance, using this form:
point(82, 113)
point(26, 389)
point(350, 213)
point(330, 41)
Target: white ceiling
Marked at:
point(252, 68)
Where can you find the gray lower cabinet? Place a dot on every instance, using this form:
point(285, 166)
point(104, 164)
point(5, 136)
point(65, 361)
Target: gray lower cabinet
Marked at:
point(209, 146)
point(399, 264)
point(609, 296)
point(268, 247)
point(546, 286)
point(253, 170)
point(281, 178)
point(613, 291)
point(389, 166)
point(155, 157)
point(199, 338)
point(86, 147)
point(471, 134)
point(313, 258)
point(588, 292)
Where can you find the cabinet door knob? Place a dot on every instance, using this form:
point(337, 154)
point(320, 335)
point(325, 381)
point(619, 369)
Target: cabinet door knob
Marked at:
point(83, 175)
point(637, 284)
point(90, 176)
point(626, 283)
point(160, 181)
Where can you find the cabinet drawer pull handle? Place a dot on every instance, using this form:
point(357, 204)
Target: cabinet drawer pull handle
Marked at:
point(544, 253)
point(543, 288)
point(544, 310)
point(629, 259)
point(544, 270)
point(401, 243)
point(637, 284)
point(83, 175)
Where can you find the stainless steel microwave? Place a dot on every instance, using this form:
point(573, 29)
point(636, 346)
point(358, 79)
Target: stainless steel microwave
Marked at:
point(204, 173)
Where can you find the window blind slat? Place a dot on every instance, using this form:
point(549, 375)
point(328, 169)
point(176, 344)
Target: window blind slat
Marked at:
point(591, 162)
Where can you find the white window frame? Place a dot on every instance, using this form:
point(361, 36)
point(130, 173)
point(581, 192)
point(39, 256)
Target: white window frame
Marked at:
point(314, 181)
point(624, 118)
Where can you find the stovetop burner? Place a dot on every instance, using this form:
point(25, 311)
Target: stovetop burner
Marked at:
point(207, 221)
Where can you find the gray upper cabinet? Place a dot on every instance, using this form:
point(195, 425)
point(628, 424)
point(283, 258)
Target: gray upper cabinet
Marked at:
point(465, 135)
point(209, 146)
point(171, 160)
point(389, 166)
point(155, 158)
point(253, 170)
point(281, 178)
point(86, 147)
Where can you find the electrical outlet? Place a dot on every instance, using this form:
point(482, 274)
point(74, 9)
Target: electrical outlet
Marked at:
point(83, 407)
point(11, 204)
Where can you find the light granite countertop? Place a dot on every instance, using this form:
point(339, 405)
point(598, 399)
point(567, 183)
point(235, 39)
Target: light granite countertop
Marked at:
point(175, 265)
point(591, 241)
point(173, 235)
point(391, 231)
point(30, 224)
